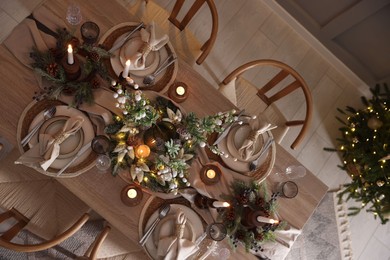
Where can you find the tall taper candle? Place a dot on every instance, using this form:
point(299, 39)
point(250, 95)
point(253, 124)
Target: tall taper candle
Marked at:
point(70, 55)
point(266, 220)
point(125, 72)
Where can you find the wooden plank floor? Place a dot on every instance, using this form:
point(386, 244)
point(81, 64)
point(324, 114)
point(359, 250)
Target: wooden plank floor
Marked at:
point(250, 30)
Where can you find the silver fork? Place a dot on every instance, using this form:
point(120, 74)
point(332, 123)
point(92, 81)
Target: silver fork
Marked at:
point(163, 211)
point(254, 163)
point(47, 114)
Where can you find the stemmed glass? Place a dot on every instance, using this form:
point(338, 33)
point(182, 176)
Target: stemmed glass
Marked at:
point(292, 172)
point(73, 14)
point(102, 145)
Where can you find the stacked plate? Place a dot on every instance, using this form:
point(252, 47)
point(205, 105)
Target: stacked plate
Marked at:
point(167, 227)
point(71, 145)
point(131, 47)
point(237, 159)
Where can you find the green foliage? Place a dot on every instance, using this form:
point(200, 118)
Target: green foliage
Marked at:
point(364, 146)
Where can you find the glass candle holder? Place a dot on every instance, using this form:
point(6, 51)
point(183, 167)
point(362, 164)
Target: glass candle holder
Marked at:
point(90, 32)
point(178, 92)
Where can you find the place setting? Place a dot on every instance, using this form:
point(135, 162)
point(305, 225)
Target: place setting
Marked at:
point(247, 147)
point(143, 53)
point(55, 139)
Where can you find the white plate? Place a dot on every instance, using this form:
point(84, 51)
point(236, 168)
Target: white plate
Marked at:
point(87, 128)
point(193, 229)
point(130, 48)
point(72, 144)
point(236, 137)
point(138, 75)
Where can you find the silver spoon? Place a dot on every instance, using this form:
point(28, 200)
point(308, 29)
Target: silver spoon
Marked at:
point(149, 79)
point(163, 211)
point(47, 114)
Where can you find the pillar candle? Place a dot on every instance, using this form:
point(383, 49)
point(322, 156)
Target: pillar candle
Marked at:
point(126, 70)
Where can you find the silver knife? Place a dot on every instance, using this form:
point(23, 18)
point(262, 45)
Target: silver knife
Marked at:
point(254, 163)
point(79, 153)
point(227, 129)
point(121, 42)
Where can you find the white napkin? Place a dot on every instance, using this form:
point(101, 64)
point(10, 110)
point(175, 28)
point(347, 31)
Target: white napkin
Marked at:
point(248, 146)
point(284, 241)
point(176, 247)
point(151, 43)
point(47, 150)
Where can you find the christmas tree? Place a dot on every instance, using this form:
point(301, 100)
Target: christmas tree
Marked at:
point(365, 149)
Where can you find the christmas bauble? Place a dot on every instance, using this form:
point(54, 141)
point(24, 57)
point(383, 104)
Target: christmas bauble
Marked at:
point(161, 131)
point(380, 183)
point(374, 123)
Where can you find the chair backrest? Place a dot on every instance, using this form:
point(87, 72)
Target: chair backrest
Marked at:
point(208, 45)
point(298, 83)
point(22, 221)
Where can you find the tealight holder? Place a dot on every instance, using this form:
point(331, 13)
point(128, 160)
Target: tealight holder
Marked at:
point(131, 195)
point(210, 174)
point(178, 92)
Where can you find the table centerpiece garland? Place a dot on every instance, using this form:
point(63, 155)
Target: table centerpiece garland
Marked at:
point(248, 201)
point(50, 65)
point(171, 136)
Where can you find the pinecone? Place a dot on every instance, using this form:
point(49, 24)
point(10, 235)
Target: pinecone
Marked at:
point(52, 69)
point(259, 236)
point(242, 199)
point(260, 202)
point(94, 56)
point(74, 42)
point(240, 234)
point(95, 83)
point(230, 215)
point(133, 141)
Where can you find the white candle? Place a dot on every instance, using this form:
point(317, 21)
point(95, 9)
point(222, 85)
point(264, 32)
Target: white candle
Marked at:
point(125, 73)
point(180, 91)
point(210, 174)
point(220, 204)
point(132, 193)
point(266, 220)
point(70, 55)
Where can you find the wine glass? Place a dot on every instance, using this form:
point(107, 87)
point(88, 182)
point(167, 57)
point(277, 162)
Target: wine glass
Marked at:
point(103, 163)
point(216, 231)
point(73, 14)
point(295, 172)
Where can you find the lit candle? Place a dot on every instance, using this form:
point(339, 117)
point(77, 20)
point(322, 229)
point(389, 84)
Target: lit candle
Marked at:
point(180, 90)
point(131, 193)
point(266, 220)
point(210, 173)
point(142, 151)
point(125, 73)
point(70, 55)
point(220, 204)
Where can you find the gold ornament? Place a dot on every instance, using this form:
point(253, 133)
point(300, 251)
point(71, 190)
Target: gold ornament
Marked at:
point(380, 183)
point(374, 123)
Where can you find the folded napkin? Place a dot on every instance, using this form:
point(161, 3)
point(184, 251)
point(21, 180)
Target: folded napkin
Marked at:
point(151, 43)
point(248, 146)
point(176, 247)
point(284, 240)
point(47, 150)
point(26, 35)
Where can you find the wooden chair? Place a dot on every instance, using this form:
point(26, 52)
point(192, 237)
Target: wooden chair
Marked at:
point(181, 25)
point(262, 101)
point(22, 221)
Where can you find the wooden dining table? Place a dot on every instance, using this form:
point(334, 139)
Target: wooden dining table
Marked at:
point(102, 191)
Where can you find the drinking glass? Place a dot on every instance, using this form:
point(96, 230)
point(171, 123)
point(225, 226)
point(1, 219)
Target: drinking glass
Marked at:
point(101, 144)
point(295, 171)
point(73, 14)
point(287, 189)
point(103, 163)
point(89, 32)
point(216, 231)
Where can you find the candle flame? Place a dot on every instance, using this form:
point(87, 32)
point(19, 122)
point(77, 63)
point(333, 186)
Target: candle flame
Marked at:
point(128, 62)
point(70, 48)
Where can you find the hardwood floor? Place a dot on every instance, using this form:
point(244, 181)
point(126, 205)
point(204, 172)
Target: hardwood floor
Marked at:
point(251, 30)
